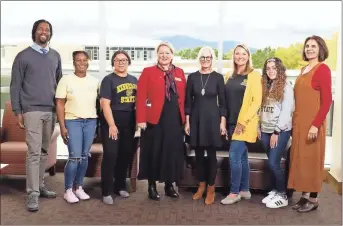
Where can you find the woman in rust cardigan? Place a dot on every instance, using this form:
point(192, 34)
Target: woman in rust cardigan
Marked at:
point(160, 116)
point(313, 98)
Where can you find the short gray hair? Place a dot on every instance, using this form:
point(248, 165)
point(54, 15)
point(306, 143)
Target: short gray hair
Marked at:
point(201, 51)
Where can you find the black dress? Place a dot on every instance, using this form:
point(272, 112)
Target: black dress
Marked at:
point(162, 145)
point(205, 111)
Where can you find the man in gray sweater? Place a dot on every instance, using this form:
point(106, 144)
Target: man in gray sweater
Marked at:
point(35, 73)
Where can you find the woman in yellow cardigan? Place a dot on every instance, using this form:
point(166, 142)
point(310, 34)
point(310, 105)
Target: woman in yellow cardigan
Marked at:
point(243, 90)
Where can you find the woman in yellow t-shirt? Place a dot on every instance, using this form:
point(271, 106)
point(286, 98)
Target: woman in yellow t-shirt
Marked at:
point(76, 96)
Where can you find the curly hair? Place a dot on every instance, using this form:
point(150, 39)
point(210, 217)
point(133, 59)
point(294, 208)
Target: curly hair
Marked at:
point(276, 92)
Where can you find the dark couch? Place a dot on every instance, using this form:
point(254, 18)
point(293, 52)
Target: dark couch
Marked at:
point(259, 172)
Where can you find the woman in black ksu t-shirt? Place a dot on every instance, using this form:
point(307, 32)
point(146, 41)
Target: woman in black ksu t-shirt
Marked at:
point(117, 123)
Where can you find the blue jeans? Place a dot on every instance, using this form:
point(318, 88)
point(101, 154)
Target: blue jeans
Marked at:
point(274, 158)
point(239, 164)
point(81, 135)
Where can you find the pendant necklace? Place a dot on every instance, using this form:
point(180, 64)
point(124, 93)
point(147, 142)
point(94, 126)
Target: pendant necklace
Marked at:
point(202, 84)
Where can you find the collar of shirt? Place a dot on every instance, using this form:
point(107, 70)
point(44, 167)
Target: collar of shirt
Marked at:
point(38, 48)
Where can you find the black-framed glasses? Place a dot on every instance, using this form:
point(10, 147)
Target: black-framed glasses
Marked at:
point(208, 58)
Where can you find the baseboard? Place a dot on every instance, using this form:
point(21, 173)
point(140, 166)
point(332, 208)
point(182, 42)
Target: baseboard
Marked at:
point(334, 183)
point(326, 174)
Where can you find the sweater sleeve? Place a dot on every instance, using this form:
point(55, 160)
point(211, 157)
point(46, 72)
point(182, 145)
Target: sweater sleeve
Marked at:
point(256, 101)
point(17, 77)
point(59, 69)
point(321, 81)
point(286, 109)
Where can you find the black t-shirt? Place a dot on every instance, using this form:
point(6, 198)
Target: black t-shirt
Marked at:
point(234, 93)
point(120, 90)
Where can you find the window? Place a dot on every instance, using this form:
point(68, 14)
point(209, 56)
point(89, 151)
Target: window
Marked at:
point(107, 53)
point(145, 55)
point(149, 55)
point(132, 55)
point(93, 52)
point(139, 54)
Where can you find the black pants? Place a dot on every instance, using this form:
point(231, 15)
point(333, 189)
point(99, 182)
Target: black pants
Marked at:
point(313, 194)
point(206, 172)
point(117, 156)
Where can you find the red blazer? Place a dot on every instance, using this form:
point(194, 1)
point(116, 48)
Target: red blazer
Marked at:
point(151, 87)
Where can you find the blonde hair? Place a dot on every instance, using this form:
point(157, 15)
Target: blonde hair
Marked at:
point(248, 67)
point(201, 51)
point(167, 44)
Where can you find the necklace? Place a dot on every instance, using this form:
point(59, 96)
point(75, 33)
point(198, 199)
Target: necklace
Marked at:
point(202, 84)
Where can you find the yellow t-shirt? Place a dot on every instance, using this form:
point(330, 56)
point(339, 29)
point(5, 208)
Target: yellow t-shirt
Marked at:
point(80, 95)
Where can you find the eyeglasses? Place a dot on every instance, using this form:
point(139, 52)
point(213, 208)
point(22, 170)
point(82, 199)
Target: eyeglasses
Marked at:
point(208, 58)
point(122, 61)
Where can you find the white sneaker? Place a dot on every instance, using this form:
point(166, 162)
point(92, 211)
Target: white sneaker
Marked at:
point(70, 197)
point(81, 194)
point(267, 199)
point(278, 201)
point(231, 200)
point(124, 194)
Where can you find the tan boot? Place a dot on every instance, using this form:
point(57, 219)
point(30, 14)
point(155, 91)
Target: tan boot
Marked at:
point(200, 191)
point(210, 195)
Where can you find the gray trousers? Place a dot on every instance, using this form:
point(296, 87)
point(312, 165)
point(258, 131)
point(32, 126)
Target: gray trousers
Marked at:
point(39, 127)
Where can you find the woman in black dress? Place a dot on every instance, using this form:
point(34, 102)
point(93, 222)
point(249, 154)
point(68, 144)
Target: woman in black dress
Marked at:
point(205, 120)
point(160, 115)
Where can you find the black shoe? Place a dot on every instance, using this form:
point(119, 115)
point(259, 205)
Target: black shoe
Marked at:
point(153, 194)
point(300, 203)
point(169, 190)
point(308, 206)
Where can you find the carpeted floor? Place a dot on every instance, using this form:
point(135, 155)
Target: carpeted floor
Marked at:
point(138, 209)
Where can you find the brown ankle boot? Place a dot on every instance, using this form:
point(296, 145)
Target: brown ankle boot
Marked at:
point(200, 191)
point(210, 195)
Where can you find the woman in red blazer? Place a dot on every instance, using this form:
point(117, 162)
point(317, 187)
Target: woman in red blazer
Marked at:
point(160, 116)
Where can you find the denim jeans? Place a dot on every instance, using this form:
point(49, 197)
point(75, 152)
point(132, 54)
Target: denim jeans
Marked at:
point(239, 164)
point(274, 158)
point(81, 135)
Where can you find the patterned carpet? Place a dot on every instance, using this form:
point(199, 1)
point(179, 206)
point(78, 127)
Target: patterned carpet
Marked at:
point(139, 210)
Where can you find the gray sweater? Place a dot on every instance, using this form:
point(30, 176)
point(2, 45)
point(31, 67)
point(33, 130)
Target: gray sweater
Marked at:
point(34, 80)
point(278, 115)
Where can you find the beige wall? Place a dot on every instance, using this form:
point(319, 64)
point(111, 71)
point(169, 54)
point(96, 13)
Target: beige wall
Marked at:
point(336, 164)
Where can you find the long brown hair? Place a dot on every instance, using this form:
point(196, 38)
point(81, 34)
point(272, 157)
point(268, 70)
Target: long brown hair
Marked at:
point(277, 90)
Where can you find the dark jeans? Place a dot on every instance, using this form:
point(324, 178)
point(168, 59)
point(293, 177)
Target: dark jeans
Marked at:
point(274, 158)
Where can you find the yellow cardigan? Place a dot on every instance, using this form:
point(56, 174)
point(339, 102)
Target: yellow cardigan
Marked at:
point(248, 115)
